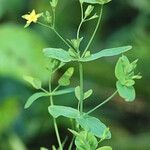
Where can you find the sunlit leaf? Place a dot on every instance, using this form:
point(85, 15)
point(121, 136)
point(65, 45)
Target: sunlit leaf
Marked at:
point(33, 98)
point(68, 112)
point(43, 148)
point(86, 141)
point(96, 1)
point(127, 93)
point(105, 148)
point(93, 125)
point(36, 83)
point(57, 53)
point(106, 53)
point(65, 79)
point(64, 91)
point(86, 94)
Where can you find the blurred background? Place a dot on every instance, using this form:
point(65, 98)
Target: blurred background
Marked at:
point(124, 23)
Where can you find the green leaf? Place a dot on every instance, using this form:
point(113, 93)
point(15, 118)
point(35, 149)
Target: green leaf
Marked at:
point(43, 148)
point(53, 147)
point(77, 92)
point(57, 53)
point(93, 125)
point(128, 93)
point(105, 148)
point(33, 98)
point(36, 83)
point(73, 132)
point(86, 141)
point(53, 3)
point(129, 82)
point(68, 112)
point(119, 71)
point(88, 10)
point(65, 79)
point(65, 91)
point(96, 1)
point(86, 94)
point(76, 42)
point(106, 53)
point(124, 71)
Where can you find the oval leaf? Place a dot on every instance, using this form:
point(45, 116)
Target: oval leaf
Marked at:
point(106, 53)
point(33, 98)
point(68, 112)
point(65, 91)
point(57, 53)
point(105, 148)
point(36, 83)
point(128, 93)
point(88, 93)
point(65, 79)
point(96, 1)
point(93, 125)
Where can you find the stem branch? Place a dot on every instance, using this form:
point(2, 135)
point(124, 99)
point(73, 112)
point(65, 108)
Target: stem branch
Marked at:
point(94, 33)
point(101, 104)
point(56, 32)
point(81, 87)
point(54, 120)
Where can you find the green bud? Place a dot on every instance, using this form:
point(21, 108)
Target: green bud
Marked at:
point(87, 54)
point(54, 3)
point(93, 17)
point(72, 53)
point(137, 77)
point(48, 17)
point(88, 10)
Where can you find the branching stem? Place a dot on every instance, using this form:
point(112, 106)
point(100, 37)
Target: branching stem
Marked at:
point(101, 104)
point(94, 33)
point(54, 120)
point(56, 32)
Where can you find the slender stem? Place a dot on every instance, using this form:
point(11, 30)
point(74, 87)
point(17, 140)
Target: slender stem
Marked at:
point(81, 6)
point(81, 87)
point(79, 28)
point(94, 33)
point(71, 144)
point(56, 32)
point(54, 120)
point(56, 88)
point(44, 90)
point(82, 20)
point(101, 104)
point(54, 17)
point(61, 37)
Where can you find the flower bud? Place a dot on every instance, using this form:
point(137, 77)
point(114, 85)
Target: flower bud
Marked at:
point(88, 10)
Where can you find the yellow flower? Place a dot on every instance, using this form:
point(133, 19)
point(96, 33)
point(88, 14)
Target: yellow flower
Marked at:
point(32, 17)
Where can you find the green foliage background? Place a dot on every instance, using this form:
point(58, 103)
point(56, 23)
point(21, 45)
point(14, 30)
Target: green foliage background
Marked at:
point(124, 22)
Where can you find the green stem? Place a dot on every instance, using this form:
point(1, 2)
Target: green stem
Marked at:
point(56, 32)
point(94, 33)
point(61, 37)
point(101, 104)
point(71, 144)
point(81, 87)
point(54, 17)
point(54, 120)
point(82, 20)
point(79, 28)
